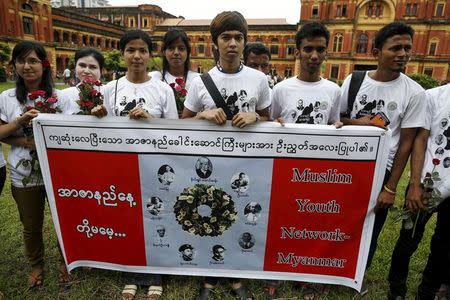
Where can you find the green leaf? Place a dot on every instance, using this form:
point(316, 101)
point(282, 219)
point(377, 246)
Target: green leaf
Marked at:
point(36, 165)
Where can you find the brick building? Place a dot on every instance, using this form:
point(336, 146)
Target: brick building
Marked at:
point(354, 23)
point(62, 32)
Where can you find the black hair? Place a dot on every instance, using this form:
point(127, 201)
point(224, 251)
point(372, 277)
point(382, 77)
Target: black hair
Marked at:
point(132, 35)
point(391, 29)
point(217, 247)
point(256, 48)
point(20, 51)
point(171, 36)
point(227, 21)
point(88, 51)
point(311, 30)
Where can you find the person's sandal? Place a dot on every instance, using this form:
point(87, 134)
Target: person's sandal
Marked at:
point(36, 278)
point(154, 292)
point(129, 291)
point(270, 293)
point(63, 274)
point(242, 293)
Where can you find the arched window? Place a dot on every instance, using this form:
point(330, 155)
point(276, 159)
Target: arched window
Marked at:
point(65, 37)
point(74, 38)
point(27, 23)
point(27, 6)
point(337, 42)
point(432, 47)
point(56, 36)
point(361, 47)
point(201, 49)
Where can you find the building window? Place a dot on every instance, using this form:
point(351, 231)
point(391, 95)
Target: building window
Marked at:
point(408, 9)
point(145, 22)
point(315, 12)
point(432, 49)
point(289, 50)
point(337, 42)
point(428, 71)
point(334, 71)
point(74, 38)
point(414, 10)
point(361, 47)
point(27, 6)
point(439, 10)
point(27, 25)
point(274, 50)
point(56, 36)
point(344, 10)
point(287, 73)
point(201, 49)
point(66, 37)
point(369, 10)
point(131, 23)
point(378, 10)
point(339, 11)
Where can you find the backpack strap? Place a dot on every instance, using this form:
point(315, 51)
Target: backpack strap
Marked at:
point(215, 94)
point(355, 83)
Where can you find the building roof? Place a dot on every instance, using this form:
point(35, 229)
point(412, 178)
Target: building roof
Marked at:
point(207, 22)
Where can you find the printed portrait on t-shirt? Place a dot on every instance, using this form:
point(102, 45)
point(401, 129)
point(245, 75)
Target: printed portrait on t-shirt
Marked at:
point(380, 105)
point(439, 139)
point(125, 107)
point(446, 134)
point(439, 152)
point(444, 123)
point(304, 113)
point(446, 162)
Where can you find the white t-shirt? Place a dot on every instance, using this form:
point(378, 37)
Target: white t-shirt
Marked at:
point(245, 91)
point(68, 98)
point(399, 99)
point(298, 101)
point(169, 78)
point(10, 109)
point(154, 96)
point(438, 146)
point(2, 158)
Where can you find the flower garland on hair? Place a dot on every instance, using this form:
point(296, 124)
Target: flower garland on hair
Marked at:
point(89, 96)
point(180, 92)
point(43, 105)
point(432, 199)
point(223, 213)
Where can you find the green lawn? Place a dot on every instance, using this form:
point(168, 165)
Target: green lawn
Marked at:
point(102, 284)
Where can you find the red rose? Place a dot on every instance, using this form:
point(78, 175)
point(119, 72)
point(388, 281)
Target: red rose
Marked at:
point(29, 108)
point(40, 92)
point(94, 92)
point(436, 161)
point(52, 110)
point(45, 63)
point(52, 100)
point(178, 88)
point(179, 80)
point(172, 84)
point(39, 104)
point(88, 104)
point(98, 83)
point(183, 92)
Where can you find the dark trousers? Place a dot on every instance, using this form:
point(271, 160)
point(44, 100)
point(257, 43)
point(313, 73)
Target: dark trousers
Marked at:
point(405, 247)
point(142, 279)
point(2, 177)
point(214, 280)
point(380, 219)
point(436, 269)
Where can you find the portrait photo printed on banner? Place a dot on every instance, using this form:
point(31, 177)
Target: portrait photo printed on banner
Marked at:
point(247, 241)
point(240, 182)
point(203, 167)
point(187, 252)
point(252, 211)
point(155, 206)
point(166, 175)
point(218, 253)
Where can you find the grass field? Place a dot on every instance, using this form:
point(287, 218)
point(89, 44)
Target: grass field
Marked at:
point(103, 284)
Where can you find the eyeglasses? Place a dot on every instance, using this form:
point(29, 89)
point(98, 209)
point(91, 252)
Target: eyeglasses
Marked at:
point(30, 62)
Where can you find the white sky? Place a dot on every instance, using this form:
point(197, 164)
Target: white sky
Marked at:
point(208, 9)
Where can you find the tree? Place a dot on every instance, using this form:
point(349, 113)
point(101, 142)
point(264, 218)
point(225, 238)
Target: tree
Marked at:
point(5, 52)
point(427, 82)
point(155, 63)
point(114, 61)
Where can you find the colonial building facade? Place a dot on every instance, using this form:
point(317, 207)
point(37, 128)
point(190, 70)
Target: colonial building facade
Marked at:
point(354, 23)
point(62, 32)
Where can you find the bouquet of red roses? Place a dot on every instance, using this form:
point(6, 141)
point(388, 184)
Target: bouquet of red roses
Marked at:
point(180, 92)
point(89, 96)
point(43, 105)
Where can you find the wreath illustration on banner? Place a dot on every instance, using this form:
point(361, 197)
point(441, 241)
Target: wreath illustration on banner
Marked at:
point(223, 213)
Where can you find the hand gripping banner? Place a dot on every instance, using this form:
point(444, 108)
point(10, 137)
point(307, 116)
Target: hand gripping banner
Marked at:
point(291, 202)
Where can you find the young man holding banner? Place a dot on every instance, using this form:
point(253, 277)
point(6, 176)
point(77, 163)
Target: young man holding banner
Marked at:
point(205, 102)
point(426, 160)
point(403, 113)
